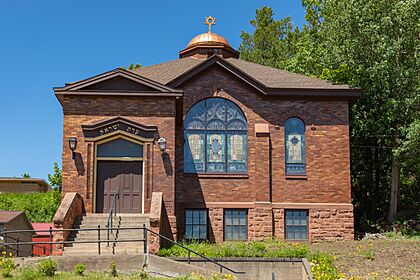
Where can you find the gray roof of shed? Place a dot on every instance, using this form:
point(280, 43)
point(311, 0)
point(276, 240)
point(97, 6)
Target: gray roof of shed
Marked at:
point(7, 216)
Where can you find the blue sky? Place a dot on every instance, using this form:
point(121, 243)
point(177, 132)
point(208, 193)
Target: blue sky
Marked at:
point(47, 43)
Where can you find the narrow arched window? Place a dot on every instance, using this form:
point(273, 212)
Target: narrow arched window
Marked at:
point(295, 147)
point(215, 138)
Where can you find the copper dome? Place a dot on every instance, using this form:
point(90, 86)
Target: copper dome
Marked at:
point(209, 39)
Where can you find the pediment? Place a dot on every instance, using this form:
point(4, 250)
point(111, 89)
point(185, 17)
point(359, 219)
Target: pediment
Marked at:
point(117, 82)
point(217, 61)
point(118, 125)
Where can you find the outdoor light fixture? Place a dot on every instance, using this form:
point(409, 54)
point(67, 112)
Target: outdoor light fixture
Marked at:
point(162, 144)
point(73, 145)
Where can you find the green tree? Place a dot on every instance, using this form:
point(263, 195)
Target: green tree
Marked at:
point(272, 42)
point(371, 44)
point(55, 178)
point(133, 66)
point(26, 175)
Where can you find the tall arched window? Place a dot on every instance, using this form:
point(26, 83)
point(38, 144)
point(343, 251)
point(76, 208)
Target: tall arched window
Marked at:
point(295, 147)
point(215, 138)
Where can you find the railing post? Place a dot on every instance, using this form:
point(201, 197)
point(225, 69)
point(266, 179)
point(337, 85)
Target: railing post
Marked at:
point(51, 246)
point(107, 236)
point(99, 239)
point(115, 204)
point(145, 239)
point(111, 223)
point(17, 246)
point(189, 256)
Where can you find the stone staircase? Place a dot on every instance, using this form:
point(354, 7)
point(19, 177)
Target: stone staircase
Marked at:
point(122, 221)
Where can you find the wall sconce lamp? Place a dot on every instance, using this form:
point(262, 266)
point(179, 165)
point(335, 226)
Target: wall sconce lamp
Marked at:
point(162, 144)
point(72, 145)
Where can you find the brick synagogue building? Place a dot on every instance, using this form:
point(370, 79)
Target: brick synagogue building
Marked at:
point(237, 150)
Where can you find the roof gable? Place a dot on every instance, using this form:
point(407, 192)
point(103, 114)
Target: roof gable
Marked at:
point(117, 82)
point(267, 80)
point(217, 60)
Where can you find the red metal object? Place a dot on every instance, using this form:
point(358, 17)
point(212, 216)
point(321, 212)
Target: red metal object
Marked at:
point(41, 236)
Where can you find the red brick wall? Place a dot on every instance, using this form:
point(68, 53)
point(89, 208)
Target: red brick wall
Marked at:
point(265, 184)
point(78, 174)
point(327, 153)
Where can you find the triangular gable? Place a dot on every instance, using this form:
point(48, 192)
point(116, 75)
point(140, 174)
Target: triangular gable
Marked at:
point(260, 87)
point(216, 60)
point(109, 81)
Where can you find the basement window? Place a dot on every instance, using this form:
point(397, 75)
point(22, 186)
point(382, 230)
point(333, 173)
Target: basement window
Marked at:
point(236, 223)
point(196, 224)
point(296, 224)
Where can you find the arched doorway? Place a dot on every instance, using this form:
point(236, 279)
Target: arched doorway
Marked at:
point(119, 169)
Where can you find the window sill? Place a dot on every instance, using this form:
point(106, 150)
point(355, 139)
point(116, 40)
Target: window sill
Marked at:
point(217, 176)
point(296, 177)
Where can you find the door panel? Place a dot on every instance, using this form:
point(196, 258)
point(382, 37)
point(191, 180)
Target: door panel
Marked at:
point(124, 177)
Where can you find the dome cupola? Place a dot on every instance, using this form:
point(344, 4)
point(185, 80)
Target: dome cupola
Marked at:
point(207, 44)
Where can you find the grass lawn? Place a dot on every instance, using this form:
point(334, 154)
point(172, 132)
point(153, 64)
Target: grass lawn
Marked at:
point(394, 257)
point(375, 259)
point(391, 257)
point(27, 274)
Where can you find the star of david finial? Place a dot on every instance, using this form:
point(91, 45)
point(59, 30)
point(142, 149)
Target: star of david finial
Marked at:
point(210, 21)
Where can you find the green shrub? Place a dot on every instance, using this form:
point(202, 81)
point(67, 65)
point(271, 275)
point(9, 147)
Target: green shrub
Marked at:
point(268, 248)
point(47, 267)
point(39, 207)
point(79, 269)
point(322, 267)
point(28, 274)
point(113, 269)
point(7, 266)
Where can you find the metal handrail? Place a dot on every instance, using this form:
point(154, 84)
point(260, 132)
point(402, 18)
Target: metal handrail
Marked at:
point(112, 212)
point(4, 233)
point(221, 266)
point(99, 241)
point(18, 242)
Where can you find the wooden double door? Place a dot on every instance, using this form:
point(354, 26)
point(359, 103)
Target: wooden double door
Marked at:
point(124, 178)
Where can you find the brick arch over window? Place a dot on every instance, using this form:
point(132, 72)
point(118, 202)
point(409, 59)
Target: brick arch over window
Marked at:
point(215, 131)
point(295, 140)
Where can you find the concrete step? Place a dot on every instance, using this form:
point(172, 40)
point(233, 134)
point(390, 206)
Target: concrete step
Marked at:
point(91, 221)
point(121, 235)
point(138, 222)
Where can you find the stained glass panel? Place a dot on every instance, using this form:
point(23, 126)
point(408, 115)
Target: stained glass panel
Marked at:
point(194, 152)
point(216, 120)
point(295, 147)
point(216, 152)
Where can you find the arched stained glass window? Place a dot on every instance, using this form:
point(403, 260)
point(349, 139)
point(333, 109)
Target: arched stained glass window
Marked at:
point(295, 147)
point(215, 138)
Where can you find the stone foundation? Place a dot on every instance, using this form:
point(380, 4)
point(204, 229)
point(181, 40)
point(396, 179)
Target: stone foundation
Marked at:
point(260, 223)
point(324, 223)
point(331, 224)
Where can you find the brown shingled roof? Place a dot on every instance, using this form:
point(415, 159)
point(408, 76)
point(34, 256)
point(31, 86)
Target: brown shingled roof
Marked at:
point(276, 78)
point(268, 76)
point(166, 72)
